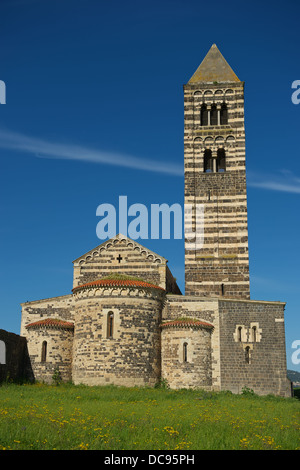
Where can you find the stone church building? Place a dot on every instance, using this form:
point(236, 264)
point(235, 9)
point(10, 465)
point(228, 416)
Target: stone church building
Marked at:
point(126, 321)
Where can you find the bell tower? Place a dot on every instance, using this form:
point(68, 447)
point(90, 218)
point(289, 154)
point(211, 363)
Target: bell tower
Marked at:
point(215, 179)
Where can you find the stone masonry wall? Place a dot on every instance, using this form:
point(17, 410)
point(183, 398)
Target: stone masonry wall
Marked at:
point(131, 356)
point(123, 256)
point(16, 366)
point(59, 353)
point(221, 266)
point(178, 307)
point(56, 307)
point(196, 370)
point(252, 345)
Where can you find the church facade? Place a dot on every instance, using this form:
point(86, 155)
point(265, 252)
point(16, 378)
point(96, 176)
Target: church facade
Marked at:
point(126, 321)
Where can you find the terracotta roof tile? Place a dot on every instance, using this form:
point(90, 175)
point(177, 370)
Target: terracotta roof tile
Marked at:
point(186, 324)
point(117, 283)
point(51, 323)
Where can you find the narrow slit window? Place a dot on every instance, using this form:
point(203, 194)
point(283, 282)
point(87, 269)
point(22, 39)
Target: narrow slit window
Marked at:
point(110, 325)
point(254, 334)
point(240, 333)
point(222, 289)
point(44, 351)
point(247, 354)
point(185, 348)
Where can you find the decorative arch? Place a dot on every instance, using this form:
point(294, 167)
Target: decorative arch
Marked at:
point(208, 140)
point(219, 140)
point(219, 93)
point(230, 139)
point(208, 94)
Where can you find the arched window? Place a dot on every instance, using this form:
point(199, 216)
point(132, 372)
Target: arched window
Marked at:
point(204, 115)
point(44, 351)
point(221, 163)
point(185, 347)
point(2, 353)
point(208, 161)
point(110, 325)
point(223, 115)
point(213, 115)
point(247, 354)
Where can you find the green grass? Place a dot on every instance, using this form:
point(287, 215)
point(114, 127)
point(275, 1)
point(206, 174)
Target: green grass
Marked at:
point(116, 418)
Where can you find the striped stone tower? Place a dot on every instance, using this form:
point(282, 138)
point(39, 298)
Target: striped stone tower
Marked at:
point(215, 177)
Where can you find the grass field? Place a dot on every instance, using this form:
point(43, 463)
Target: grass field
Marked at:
point(115, 418)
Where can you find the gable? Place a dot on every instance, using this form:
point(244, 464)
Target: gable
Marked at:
point(120, 255)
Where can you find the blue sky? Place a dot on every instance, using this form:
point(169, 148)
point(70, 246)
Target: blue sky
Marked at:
point(94, 110)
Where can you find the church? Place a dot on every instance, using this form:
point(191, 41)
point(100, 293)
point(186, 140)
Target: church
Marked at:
point(126, 321)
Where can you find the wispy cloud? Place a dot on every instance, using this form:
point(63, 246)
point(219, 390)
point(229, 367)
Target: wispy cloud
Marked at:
point(285, 181)
point(66, 151)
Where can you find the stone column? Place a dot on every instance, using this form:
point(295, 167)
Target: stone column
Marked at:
point(208, 114)
point(219, 113)
point(214, 155)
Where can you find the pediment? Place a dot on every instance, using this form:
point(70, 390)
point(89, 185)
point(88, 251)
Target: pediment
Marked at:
point(120, 241)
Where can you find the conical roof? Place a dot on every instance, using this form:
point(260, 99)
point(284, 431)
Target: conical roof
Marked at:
point(214, 68)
